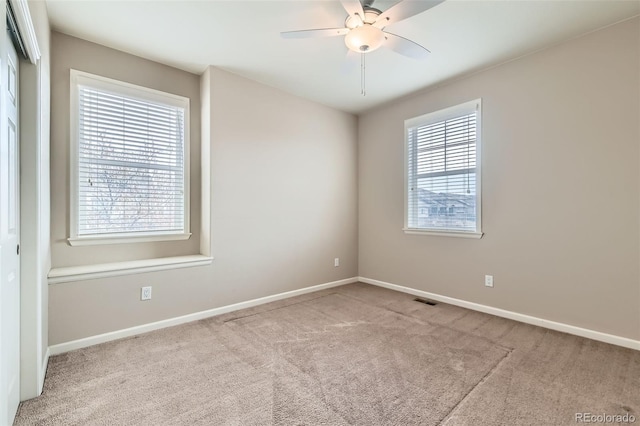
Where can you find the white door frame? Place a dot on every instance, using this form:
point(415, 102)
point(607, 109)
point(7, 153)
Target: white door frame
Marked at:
point(33, 300)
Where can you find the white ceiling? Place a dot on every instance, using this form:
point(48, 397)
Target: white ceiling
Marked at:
point(243, 37)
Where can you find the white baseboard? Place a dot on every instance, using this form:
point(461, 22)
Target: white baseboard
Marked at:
point(43, 371)
point(145, 328)
point(558, 326)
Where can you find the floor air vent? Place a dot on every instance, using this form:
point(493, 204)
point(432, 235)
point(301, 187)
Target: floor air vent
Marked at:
point(426, 301)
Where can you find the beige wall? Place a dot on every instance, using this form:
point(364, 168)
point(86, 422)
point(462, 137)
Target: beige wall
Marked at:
point(284, 205)
point(73, 53)
point(560, 188)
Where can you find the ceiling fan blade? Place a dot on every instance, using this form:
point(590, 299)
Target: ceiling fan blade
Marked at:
point(405, 46)
point(403, 10)
point(321, 32)
point(351, 61)
point(353, 7)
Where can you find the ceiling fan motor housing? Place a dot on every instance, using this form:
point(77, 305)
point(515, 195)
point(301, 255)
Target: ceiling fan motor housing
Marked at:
point(370, 16)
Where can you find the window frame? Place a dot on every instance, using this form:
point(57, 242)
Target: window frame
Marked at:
point(80, 78)
point(431, 118)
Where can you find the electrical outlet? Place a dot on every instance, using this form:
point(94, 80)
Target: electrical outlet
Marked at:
point(145, 293)
point(488, 280)
point(336, 262)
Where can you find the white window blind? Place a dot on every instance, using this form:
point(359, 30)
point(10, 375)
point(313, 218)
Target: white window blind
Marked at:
point(130, 161)
point(443, 179)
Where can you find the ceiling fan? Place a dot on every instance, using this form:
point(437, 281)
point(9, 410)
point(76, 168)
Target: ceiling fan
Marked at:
point(364, 28)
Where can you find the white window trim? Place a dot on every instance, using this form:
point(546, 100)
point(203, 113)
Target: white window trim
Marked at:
point(447, 233)
point(138, 237)
point(127, 89)
point(433, 117)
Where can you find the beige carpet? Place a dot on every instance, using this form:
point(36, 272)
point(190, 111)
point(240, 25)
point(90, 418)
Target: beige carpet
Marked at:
point(355, 354)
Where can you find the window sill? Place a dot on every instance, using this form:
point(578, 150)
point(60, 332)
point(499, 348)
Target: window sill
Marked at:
point(106, 270)
point(125, 239)
point(473, 235)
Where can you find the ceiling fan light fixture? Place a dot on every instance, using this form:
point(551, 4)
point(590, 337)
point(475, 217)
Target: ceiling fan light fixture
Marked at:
point(364, 39)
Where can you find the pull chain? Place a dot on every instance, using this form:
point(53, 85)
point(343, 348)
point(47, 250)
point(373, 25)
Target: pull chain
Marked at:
point(363, 82)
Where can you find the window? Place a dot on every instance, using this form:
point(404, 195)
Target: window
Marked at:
point(443, 172)
point(129, 162)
